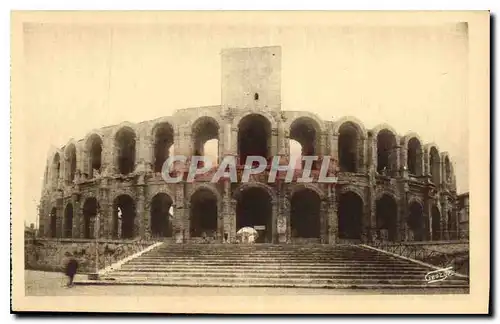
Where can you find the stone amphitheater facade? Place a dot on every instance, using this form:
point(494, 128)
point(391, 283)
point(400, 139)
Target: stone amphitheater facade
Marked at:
point(390, 186)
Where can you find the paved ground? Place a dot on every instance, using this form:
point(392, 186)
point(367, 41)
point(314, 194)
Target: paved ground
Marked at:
point(39, 283)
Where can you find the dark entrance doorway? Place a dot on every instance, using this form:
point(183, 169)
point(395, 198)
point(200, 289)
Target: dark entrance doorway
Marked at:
point(350, 215)
point(254, 209)
point(254, 137)
point(89, 216)
point(416, 221)
point(68, 220)
point(53, 222)
point(386, 214)
point(305, 214)
point(161, 219)
point(124, 217)
point(203, 218)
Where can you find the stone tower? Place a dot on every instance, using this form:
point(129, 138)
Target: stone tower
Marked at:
point(251, 78)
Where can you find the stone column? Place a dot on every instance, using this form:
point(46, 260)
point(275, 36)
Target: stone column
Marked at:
point(227, 232)
point(334, 147)
point(274, 221)
point(324, 221)
point(362, 156)
point(281, 139)
point(59, 217)
point(274, 142)
point(444, 220)
point(178, 223)
point(77, 215)
point(139, 221)
point(106, 214)
point(283, 214)
point(403, 213)
point(371, 213)
point(333, 226)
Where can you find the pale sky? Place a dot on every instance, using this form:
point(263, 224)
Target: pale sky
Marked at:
point(79, 77)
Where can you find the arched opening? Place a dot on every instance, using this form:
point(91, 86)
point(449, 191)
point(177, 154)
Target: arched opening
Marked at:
point(386, 214)
point(125, 150)
point(436, 224)
point(447, 170)
point(53, 222)
point(94, 148)
point(254, 137)
point(163, 140)
point(305, 214)
point(386, 155)
point(434, 165)
point(161, 218)
point(414, 157)
point(416, 222)
point(124, 217)
point(205, 134)
point(56, 169)
point(89, 217)
point(254, 209)
point(305, 131)
point(349, 147)
point(70, 163)
point(68, 220)
point(350, 214)
point(203, 218)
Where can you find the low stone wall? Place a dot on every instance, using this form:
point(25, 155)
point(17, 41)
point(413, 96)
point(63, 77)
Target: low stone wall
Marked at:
point(52, 254)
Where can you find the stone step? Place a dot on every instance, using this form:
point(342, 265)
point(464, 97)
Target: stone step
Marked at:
point(359, 258)
point(269, 263)
point(273, 282)
point(223, 275)
point(265, 269)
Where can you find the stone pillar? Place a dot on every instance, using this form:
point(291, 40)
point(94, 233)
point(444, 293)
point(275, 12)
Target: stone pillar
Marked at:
point(227, 221)
point(444, 220)
point(106, 214)
point(274, 221)
point(178, 223)
point(274, 142)
point(371, 213)
point(59, 217)
point(334, 147)
point(281, 139)
point(362, 156)
point(403, 213)
point(333, 226)
point(108, 156)
point(139, 221)
point(77, 215)
point(283, 214)
point(324, 221)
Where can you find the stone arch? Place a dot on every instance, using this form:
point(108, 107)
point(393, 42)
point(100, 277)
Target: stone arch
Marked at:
point(155, 190)
point(160, 217)
point(308, 186)
point(414, 153)
point(357, 190)
point(89, 210)
point(415, 199)
point(353, 121)
point(163, 134)
point(93, 148)
point(206, 186)
point(203, 130)
point(434, 163)
point(387, 141)
point(307, 132)
point(350, 214)
point(265, 187)
point(416, 220)
point(305, 212)
point(380, 192)
point(203, 212)
point(124, 217)
point(291, 116)
point(387, 216)
point(242, 115)
point(350, 145)
point(70, 161)
point(254, 136)
point(125, 139)
point(53, 222)
point(68, 221)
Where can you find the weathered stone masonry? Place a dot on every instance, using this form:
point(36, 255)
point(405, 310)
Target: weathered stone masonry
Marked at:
point(390, 186)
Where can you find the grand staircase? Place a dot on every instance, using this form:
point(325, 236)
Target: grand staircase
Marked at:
point(263, 265)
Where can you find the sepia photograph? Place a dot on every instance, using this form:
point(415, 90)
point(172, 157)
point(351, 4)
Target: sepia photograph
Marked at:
point(250, 162)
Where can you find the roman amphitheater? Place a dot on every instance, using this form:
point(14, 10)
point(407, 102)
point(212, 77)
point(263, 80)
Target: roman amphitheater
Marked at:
point(391, 187)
